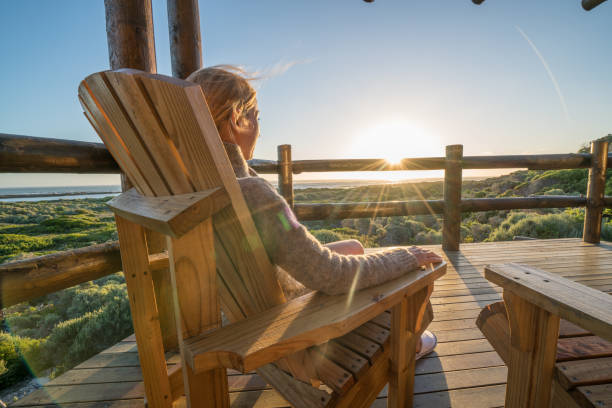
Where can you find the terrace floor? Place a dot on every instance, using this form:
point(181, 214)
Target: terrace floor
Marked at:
point(463, 371)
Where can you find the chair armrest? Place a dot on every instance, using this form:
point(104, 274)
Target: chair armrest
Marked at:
point(588, 308)
point(300, 323)
point(170, 215)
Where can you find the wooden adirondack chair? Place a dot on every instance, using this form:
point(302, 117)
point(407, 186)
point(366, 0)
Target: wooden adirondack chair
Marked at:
point(546, 332)
point(161, 134)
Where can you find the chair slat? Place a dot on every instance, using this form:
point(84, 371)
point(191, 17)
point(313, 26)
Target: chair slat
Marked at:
point(345, 358)
point(113, 143)
point(144, 118)
point(111, 109)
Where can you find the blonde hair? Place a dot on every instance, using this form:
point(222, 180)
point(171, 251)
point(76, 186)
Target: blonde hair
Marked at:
point(227, 89)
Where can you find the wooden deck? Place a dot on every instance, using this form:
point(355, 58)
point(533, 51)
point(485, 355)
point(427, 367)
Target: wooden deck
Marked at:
point(464, 371)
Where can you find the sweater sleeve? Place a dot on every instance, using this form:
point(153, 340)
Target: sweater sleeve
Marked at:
point(290, 246)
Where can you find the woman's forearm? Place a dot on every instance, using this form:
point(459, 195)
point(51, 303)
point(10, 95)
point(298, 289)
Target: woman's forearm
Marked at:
point(346, 247)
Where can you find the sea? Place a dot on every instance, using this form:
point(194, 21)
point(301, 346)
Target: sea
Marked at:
point(76, 192)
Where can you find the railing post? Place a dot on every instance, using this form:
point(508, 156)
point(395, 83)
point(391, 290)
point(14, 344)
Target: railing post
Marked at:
point(595, 192)
point(451, 230)
point(285, 173)
point(185, 37)
point(131, 42)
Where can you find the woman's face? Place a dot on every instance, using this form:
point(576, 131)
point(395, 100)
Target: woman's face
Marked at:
point(248, 132)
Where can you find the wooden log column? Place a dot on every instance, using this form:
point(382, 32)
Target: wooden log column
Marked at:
point(185, 37)
point(131, 44)
point(285, 173)
point(595, 191)
point(451, 230)
point(131, 40)
point(129, 30)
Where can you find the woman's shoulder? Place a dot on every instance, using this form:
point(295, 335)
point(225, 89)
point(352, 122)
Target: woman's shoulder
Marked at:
point(258, 189)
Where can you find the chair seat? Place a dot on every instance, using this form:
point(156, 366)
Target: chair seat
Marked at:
point(342, 361)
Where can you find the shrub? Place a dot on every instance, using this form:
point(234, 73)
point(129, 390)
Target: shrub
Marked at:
point(326, 236)
point(563, 225)
point(20, 357)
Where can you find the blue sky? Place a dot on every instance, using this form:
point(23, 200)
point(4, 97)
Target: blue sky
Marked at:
point(386, 79)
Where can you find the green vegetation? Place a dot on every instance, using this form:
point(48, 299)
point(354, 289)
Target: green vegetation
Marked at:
point(36, 228)
point(49, 335)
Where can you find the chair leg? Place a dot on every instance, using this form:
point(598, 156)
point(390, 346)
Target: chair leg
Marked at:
point(196, 307)
point(533, 340)
point(407, 321)
point(206, 389)
point(141, 293)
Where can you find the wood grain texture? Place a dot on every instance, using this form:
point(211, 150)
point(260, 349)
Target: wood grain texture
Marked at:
point(185, 37)
point(572, 374)
point(579, 304)
point(129, 30)
point(583, 347)
point(493, 322)
point(27, 154)
point(451, 235)
point(171, 215)
point(595, 191)
point(144, 312)
point(196, 305)
point(533, 335)
point(594, 396)
point(306, 321)
point(296, 392)
point(285, 173)
point(406, 327)
point(561, 398)
point(33, 277)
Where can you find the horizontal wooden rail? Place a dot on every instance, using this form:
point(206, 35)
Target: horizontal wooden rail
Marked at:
point(532, 162)
point(310, 212)
point(39, 195)
point(30, 278)
point(27, 154)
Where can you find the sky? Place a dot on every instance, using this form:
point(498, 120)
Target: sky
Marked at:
point(343, 79)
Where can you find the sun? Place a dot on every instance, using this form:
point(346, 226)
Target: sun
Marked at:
point(394, 140)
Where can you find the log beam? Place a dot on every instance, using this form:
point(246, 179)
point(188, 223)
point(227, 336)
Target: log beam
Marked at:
point(27, 154)
point(30, 278)
point(595, 192)
point(185, 37)
point(589, 5)
point(129, 31)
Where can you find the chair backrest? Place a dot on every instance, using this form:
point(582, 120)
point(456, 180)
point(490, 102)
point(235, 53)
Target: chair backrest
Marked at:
point(161, 133)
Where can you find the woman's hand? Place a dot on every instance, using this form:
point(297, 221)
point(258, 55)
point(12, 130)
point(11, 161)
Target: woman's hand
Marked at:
point(424, 256)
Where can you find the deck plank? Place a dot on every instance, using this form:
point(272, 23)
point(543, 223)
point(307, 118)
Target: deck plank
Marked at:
point(462, 371)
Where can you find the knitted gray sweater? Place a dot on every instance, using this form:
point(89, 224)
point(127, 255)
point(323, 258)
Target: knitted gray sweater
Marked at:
point(305, 263)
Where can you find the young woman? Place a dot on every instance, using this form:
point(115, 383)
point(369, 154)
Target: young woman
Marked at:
point(304, 263)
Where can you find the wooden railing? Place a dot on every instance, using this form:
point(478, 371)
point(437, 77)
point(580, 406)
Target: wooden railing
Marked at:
point(26, 279)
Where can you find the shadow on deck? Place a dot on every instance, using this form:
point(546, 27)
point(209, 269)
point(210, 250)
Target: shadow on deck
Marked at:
point(463, 371)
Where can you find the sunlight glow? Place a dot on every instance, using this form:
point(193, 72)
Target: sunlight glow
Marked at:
point(394, 139)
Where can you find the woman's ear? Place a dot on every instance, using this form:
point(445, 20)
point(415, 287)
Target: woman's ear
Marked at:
point(239, 122)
